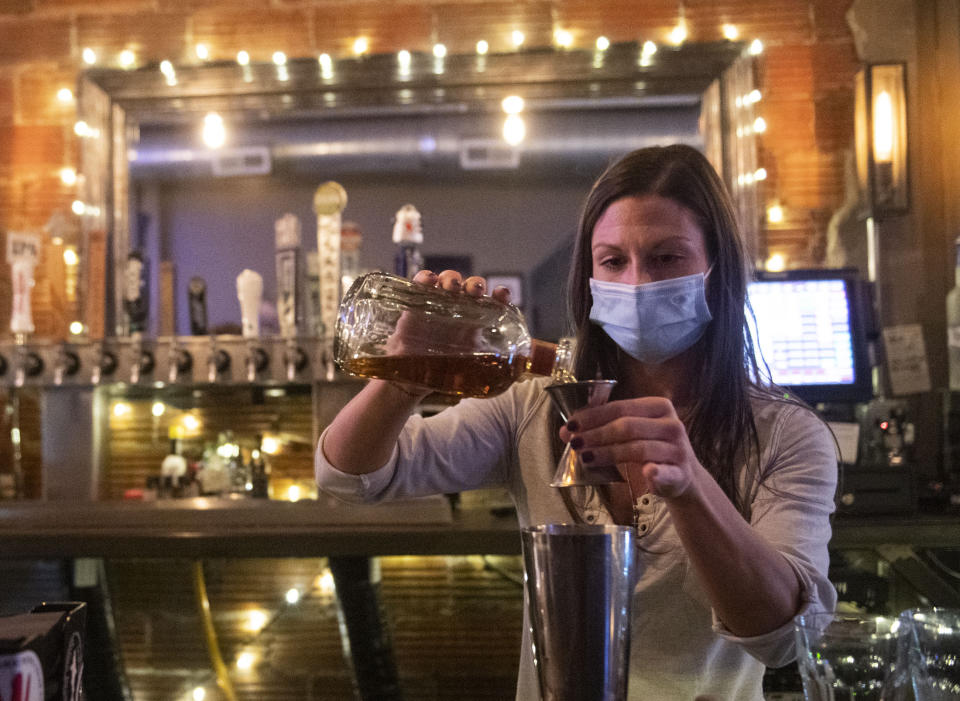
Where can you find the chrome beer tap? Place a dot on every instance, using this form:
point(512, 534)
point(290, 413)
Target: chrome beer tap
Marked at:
point(67, 364)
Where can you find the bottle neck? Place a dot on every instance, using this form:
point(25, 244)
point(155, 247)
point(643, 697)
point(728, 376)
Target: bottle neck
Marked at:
point(553, 359)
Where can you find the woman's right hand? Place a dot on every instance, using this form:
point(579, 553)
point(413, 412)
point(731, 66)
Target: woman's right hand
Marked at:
point(417, 334)
point(453, 281)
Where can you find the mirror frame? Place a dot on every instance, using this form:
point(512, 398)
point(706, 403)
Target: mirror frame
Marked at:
point(113, 104)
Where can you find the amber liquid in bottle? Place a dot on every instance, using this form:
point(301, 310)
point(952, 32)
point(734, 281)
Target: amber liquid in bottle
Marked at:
point(478, 375)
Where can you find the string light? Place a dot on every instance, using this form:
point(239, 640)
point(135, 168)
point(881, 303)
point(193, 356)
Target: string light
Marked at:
point(158, 409)
point(563, 38)
point(514, 129)
point(65, 95)
point(68, 176)
point(404, 58)
point(70, 256)
point(678, 34)
point(127, 58)
point(292, 596)
point(483, 47)
point(760, 174)
point(279, 58)
point(775, 214)
point(78, 207)
point(755, 48)
point(122, 409)
point(517, 37)
point(243, 58)
point(439, 50)
point(245, 661)
point(512, 104)
point(76, 328)
point(759, 125)
point(603, 43)
point(730, 32)
point(776, 263)
point(214, 132)
point(361, 45)
point(647, 52)
point(203, 53)
point(199, 694)
point(89, 56)
point(326, 66)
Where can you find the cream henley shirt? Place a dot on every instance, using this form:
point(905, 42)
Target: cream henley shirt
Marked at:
point(679, 649)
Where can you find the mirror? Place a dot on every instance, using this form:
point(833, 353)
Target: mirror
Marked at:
point(392, 130)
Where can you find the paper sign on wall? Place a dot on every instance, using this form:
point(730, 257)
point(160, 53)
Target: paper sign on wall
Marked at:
point(906, 357)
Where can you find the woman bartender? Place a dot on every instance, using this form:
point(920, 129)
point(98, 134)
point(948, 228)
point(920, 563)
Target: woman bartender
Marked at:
point(729, 486)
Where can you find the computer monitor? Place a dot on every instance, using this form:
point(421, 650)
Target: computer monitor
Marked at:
point(812, 332)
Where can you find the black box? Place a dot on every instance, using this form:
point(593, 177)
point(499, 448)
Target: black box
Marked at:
point(41, 653)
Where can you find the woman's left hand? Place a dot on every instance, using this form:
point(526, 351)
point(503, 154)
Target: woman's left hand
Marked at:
point(643, 437)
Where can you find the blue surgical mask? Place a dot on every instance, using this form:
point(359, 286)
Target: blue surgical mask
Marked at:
point(655, 321)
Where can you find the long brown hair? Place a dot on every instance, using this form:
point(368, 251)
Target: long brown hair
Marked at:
point(719, 420)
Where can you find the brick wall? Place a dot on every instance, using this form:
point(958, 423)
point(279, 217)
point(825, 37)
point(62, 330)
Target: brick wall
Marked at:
point(805, 74)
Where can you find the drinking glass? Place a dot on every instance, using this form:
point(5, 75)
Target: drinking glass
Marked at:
point(855, 657)
point(568, 397)
point(935, 653)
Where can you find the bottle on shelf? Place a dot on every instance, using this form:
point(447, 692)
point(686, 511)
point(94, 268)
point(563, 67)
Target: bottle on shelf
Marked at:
point(953, 323)
point(391, 328)
point(407, 235)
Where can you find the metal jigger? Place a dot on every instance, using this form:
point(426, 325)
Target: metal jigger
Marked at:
point(568, 397)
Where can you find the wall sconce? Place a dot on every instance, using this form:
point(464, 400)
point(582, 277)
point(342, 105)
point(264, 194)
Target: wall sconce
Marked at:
point(881, 128)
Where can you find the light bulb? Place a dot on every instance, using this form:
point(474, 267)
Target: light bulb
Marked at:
point(730, 32)
point(482, 47)
point(158, 409)
point(514, 129)
point(243, 58)
point(512, 104)
point(518, 38)
point(279, 58)
point(439, 50)
point(214, 132)
point(603, 43)
point(563, 38)
point(89, 56)
point(203, 53)
point(68, 176)
point(65, 95)
point(361, 45)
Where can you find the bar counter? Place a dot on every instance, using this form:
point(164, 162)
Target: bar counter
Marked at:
point(209, 527)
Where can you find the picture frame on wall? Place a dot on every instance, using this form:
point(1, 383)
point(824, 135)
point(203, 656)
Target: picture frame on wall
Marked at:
point(512, 281)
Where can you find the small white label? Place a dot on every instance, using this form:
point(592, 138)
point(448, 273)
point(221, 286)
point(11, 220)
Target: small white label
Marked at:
point(21, 677)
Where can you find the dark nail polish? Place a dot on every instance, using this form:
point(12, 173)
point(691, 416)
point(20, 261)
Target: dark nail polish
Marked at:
point(586, 456)
point(576, 443)
point(573, 426)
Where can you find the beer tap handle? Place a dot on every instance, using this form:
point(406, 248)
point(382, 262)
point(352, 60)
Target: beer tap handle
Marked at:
point(197, 304)
point(21, 320)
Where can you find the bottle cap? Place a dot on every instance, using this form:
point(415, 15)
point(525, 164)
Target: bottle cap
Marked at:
point(542, 357)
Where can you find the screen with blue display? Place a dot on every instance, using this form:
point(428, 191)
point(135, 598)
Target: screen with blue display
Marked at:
point(811, 334)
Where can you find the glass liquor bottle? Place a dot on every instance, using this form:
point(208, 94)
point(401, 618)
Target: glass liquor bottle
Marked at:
point(953, 324)
point(408, 236)
point(391, 328)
